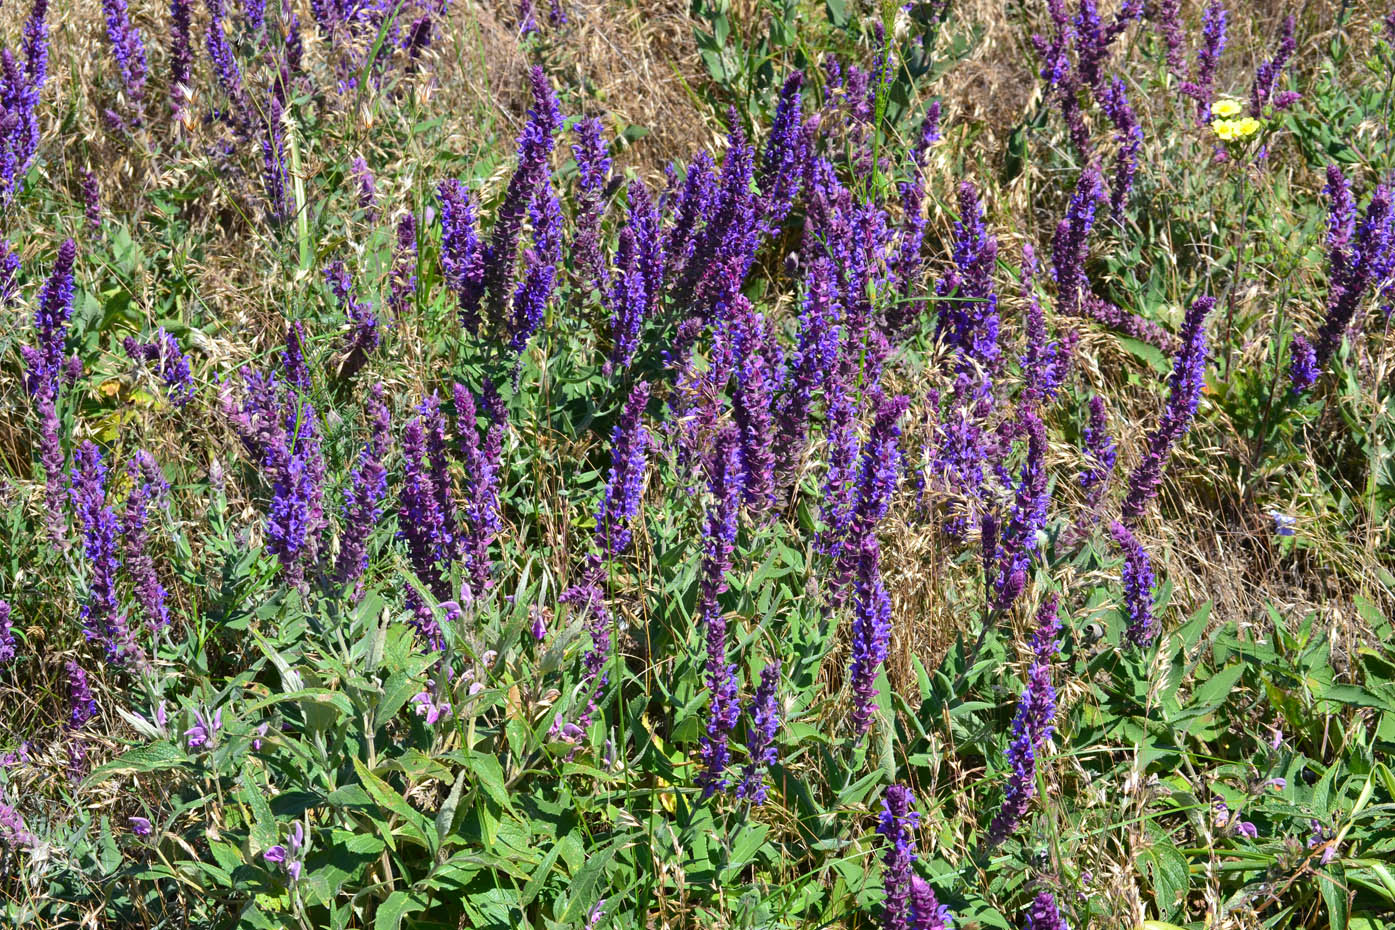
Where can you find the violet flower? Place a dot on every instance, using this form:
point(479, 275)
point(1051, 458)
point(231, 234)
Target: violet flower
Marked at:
point(1026, 521)
point(718, 542)
point(127, 47)
point(592, 175)
point(1138, 587)
point(782, 162)
point(44, 365)
point(1071, 244)
point(871, 634)
point(1044, 364)
point(533, 292)
point(1263, 89)
point(403, 279)
point(1303, 370)
point(534, 153)
point(363, 498)
point(758, 366)
point(7, 636)
point(1062, 79)
point(367, 189)
point(926, 912)
point(181, 55)
point(1031, 727)
point(1166, 16)
point(1044, 915)
point(426, 515)
point(91, 200)
point(629, 445)
point(1183, 397)
point(879, 470)
point(82, 706)
point(275, 171)
point(462, 254)
point(896, 826)
point(101, 616)
point(761, 753)
point(1100, 452)
point(482, 470)
point(1129, 138)
point(148, 486)
point(813, 363)
point(1357, 255)
point(1202, 86)
point(968, 309)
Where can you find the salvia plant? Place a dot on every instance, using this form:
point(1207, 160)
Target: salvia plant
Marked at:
point(916, 466)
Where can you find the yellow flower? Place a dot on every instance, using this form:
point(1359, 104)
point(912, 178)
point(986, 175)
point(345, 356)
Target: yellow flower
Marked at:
point(1225, 129)
point(1226, 107)
point(1246, 127)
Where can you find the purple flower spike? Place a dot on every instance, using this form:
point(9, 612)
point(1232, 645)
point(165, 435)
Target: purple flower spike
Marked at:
point(926, 912)
point(462, 254)
point(426, 509)
point(1202, 86)
point(896, 826)
point(148, 486)
point(1183, 397)
point(1044, 915)
point(535, 290)
point(44, 365)
point(102, 619)
point(181, 56)
point(1031, 727)
point(363, 498)
point(871, 634)
point(592, 175)
point(1262, 91)
point(367, 189)
point(403, 284)
point(969, 311)
point(1167, 20)
point(1138, 587)
point(534, 154)
point(1360, 258)
point(719, 541)
point(629, 444)
point(760, 737)
point(1129, 137)
point(1020, 536)
point(782, 162)
point(482, 464)
point(7, 636)
point(1071, 245)
point(127, 47)
point(1100, 452)
point(82, 706)
point(1303, 370)
point(1045, 364)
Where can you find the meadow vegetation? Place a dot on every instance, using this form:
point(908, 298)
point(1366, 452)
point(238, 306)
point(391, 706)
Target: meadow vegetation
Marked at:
point(746, 464)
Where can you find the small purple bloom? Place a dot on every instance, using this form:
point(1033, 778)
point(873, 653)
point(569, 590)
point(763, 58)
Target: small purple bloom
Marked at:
point(1044, 915)
point(140, 826)
point(1100, 452)
point(896, 826)
point(1031, 727)
point(764, 723)
point(1138, 586)
point(82, 706)
point(7, 636)
point(1183, 398)
point(629, 443)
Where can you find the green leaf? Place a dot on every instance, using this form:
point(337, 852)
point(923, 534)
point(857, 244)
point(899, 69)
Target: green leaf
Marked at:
point(264, 832)
point(153, 757)
point(397, 905)
point(1332, 882)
